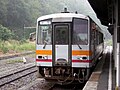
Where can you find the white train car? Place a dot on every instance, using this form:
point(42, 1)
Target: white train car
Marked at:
point(67, 46)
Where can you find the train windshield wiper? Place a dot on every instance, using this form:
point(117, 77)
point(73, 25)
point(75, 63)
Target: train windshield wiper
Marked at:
point(79, 46)
point(45, 43)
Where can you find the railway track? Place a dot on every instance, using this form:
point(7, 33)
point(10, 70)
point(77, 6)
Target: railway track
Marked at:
point(16, 73)
point(67, 87)
point(38, 84)
point(16, 55)
point(42, 84)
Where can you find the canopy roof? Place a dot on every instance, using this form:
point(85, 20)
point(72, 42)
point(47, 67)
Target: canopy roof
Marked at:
point(101, 7)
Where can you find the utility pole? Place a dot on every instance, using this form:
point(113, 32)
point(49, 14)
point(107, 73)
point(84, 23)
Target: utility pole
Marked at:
point(118, 47)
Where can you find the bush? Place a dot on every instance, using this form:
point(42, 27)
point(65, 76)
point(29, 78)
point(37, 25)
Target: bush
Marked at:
point(5, 33)
point(23, 41)
point(3, 48)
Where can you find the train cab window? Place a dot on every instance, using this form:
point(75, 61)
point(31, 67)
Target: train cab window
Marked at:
point(61, 34)
point(80, 31)
point(44, 32)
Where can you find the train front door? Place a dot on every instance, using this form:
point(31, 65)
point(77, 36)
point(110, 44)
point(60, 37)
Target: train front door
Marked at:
point(61, 38)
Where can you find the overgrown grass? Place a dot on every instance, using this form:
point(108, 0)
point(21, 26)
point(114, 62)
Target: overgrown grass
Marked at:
point(16, 46)
point(32, 55)
point(25, 47)
point(14, 61)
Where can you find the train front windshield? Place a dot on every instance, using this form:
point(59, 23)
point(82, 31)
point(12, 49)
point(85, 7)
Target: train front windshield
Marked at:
point(80, 31)
point(44, 32)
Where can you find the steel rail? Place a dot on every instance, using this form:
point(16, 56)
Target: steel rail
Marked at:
point(16, 74)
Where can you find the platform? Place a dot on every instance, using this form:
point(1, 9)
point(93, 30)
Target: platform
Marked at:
point(103, 77)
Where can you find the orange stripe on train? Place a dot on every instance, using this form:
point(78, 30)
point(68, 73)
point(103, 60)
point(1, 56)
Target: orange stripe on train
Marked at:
point(74, 52)
point(44, 52)
point(80, 52)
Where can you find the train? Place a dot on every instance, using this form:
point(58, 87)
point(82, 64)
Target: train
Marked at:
point(67, 46)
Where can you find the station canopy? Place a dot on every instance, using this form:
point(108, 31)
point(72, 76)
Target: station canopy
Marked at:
point(101, 9)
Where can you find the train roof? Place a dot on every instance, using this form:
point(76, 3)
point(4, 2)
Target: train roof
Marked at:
point(62, 15)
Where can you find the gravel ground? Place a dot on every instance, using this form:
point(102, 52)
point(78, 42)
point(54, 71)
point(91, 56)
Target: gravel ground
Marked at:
point(14, 63)
point(19, 83)
point(38, 84)
point(29, 82)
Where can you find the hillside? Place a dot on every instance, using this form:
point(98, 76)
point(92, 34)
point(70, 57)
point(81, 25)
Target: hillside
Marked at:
point(17, 14)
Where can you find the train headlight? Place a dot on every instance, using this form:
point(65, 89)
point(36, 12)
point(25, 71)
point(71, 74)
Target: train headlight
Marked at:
point(39, 57)
point(82, 57)
point(43, 57)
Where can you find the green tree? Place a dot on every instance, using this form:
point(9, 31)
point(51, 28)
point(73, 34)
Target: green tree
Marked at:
point(17, 14)
point(3, 12)
point(5, 33)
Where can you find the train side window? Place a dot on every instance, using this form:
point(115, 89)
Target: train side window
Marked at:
point(100, 38)
point(80, 31)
